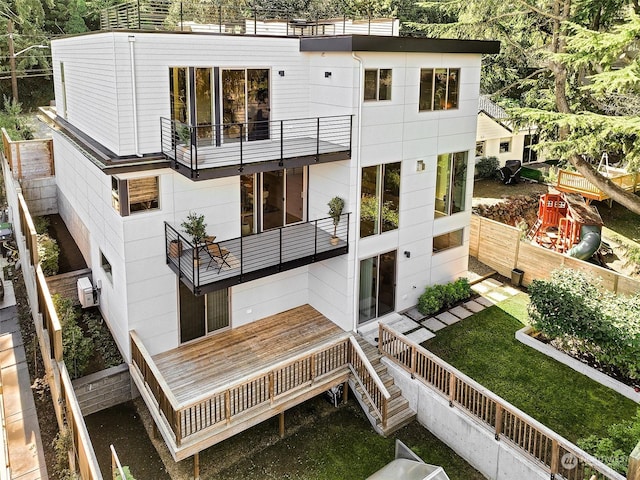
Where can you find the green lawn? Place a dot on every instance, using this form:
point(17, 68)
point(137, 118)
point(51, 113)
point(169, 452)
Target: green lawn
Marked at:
point(484, 347)
point(620, 220)
point(323, 443)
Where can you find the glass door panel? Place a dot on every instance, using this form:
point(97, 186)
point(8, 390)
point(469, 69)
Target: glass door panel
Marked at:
point(191, 315)
point(295, 195)
point(204, 106)
point(178, 94)
point(258, 104)
point(233, 103)
point(272, 199)
point(387, 283)
point(248, 195)
point(368, 289)
point(217, 310)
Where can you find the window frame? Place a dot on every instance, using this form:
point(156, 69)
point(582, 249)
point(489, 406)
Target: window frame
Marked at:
point(435, 251)
point(432, 85)
point(378, 85)
point(104, 262)
point(508, 142)
point(448, 197)
point(381, 193)
point(121, 196)
point(143, 210)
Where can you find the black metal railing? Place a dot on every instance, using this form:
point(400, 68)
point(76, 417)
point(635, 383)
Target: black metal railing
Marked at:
point(206, 267)
point(237, 144)
point(241, 17)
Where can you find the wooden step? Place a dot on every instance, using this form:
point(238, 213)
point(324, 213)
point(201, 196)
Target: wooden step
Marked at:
point(399, 420)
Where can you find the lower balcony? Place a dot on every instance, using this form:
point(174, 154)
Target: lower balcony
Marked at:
point(206, 391)
point(202, 152)
point(211, 266)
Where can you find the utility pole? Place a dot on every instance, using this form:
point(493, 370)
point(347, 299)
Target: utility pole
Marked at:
point(12, 63)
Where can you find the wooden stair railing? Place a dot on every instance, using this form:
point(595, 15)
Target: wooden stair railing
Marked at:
point(366, 376)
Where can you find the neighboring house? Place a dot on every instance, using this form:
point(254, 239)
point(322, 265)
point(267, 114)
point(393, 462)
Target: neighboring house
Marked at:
point(497, 137)
point(258, 134)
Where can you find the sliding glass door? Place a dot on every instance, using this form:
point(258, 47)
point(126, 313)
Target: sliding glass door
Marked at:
point(377, 286)
point(202, 315)
point(245, 104)
point(281, 199)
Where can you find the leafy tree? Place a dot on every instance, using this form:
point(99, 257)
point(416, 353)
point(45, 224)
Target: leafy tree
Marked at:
point(564, 61)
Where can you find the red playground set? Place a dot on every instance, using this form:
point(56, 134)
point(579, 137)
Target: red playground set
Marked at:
point(568, 225)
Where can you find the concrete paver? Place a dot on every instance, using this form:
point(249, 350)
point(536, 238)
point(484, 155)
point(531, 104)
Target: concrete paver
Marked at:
point(433, 324)
point(420, 335)
point(403, 324)
point(461, 312)
point(414, 314)
point(474, 306)
point(448, 318)
point(497, 296)
point(484, 301)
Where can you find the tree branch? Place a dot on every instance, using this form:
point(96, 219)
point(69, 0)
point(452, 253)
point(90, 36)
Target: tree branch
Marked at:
point(509, 87)
point(540, 12)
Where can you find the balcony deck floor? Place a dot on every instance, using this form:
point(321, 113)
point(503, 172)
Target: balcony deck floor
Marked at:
point(229, 154)
point(217, 360)
point(257, 252)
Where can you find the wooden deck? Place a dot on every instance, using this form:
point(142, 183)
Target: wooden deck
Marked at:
point(227, 357)
point(574, 182)
point(204, 392)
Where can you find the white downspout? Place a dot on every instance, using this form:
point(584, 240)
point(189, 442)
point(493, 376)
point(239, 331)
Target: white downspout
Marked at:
point(132, 39)
point(356, 273)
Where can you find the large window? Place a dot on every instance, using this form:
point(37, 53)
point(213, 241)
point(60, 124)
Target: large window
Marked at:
point(439, 88)
point(377, 286)
point(135, 195)
point(204, 314)
point(451, 183)
point(380, 199)
point(447, 241)
point(377, 84)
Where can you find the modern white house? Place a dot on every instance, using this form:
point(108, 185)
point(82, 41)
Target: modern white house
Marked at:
point(497, 136)
point(257, 134)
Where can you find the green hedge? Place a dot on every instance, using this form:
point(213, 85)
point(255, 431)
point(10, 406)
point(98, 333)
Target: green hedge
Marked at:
point(487, 167)
point(574, 309)
point(437, 297)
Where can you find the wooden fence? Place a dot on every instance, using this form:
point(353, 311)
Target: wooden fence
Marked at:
point(49, 332)
point(29, 158)
point(499, 246)
point(549, 450)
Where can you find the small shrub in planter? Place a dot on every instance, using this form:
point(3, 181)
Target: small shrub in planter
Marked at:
point(76, 347)
point(487, 167)
point(430, 301)
point(49, 253)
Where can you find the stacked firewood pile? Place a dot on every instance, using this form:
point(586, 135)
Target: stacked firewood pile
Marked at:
point(513, 210)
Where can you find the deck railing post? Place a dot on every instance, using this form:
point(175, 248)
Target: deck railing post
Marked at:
point(315, 241)
point(241, 145)
point(280, 263)
point(499, 410)
point(413, 361)
point(555, 457)
point(281, 142)
point(452, 388)
point(271, 387)
point(181, 17)
point(227, 406)
point(241, 255)
point(350, 134)
point(318, 139)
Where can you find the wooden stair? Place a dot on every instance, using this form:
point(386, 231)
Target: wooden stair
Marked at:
point(399, 413)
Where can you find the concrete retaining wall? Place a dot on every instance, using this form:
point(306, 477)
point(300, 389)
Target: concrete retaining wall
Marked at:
point(524, 335)
point(65, 284)
point(473, 442)
point(41, 195)
point(104, 389)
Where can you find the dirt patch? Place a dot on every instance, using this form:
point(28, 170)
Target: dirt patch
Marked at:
point(70, 258)
point(491, 192)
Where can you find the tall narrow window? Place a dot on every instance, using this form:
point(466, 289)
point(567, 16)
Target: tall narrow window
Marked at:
point(63, 86)
point(377, 286)
point(439, 88)
point(451, 183)
point(377, 84)
point(245, 104)
point(178, 94)
point(380, 200)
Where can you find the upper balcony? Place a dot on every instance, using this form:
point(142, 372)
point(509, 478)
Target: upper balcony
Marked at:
point(221, 150)
point(242, 17)
point(212, 265)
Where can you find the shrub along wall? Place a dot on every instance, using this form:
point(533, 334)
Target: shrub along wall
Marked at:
point(574, 309)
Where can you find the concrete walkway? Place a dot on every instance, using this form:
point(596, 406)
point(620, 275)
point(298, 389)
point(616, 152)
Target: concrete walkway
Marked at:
point(26, 456)
point(420, 328)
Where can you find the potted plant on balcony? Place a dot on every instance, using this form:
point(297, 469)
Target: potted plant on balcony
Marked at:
point(336, 204)
point(195, 227)
point(184, 141)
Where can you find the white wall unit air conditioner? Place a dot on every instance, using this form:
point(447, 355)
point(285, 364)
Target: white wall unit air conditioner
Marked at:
point(87, 295)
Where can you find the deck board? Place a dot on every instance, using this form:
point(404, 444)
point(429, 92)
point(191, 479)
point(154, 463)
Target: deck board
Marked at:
point(215, 361)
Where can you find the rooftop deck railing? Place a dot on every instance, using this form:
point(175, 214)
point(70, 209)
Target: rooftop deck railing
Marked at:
point(254, 256)
point(199, 147)
point(241, 17)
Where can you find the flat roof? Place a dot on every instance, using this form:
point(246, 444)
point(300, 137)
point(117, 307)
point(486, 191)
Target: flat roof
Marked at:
point(374, 43)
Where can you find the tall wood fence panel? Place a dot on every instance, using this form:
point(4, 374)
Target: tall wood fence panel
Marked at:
point(29, 158)
point(49, 331)
point(499, 246)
